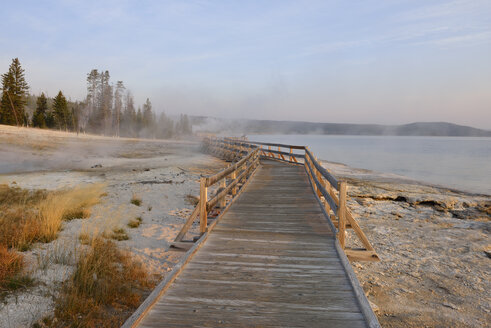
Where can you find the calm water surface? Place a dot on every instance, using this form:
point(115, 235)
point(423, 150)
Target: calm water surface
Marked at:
point(455, 162)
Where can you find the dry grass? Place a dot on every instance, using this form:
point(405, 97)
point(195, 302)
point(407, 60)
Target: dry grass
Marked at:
point(28, 216)
point(106, 284)
point(135, 200)
point(135, 223)
point(36, 216)
point(11, 264)
point(119, 234)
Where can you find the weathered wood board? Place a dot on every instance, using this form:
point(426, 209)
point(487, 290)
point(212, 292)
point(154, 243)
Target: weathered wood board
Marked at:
point(270, 261)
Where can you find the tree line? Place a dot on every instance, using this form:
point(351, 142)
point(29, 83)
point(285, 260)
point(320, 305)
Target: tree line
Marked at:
point(108, 109)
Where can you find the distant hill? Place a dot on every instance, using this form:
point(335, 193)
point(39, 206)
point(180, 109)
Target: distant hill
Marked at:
point(215, 125)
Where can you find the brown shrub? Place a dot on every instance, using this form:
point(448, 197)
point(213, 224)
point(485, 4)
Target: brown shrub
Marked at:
point(105, 284)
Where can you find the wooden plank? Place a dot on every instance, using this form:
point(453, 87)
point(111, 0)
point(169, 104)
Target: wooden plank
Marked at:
point(270, 260)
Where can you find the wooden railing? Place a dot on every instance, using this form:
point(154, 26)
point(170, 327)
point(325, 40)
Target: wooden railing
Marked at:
point(230, 180)
point(331, 193)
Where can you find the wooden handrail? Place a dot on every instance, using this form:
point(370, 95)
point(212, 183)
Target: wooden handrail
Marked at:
point(211, 180)
point(321, 188)
point(204, 206)
point(331, 192)
point(212, 202)
point(332, 180)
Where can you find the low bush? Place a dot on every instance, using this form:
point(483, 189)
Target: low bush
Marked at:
point(106, 284)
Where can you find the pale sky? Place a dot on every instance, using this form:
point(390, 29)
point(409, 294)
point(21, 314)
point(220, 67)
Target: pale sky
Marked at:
point(388, 62)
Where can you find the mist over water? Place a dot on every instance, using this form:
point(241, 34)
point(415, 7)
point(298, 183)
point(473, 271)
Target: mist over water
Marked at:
point(461, 163)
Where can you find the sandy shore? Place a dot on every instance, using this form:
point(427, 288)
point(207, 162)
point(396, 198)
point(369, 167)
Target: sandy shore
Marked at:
point(434, 272)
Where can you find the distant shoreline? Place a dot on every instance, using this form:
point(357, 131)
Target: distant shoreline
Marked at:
point(247, 126)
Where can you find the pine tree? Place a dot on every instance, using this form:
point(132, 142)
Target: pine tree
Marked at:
point(139, 121)
point(166, 127)
point(129, 116)
point(61, 113)
point(106, 98)
point(147, 114)
point(39, 117)
point(14, 91)
point(50, 120)
point(118, 106)
point(92, 118)
point(183, 126)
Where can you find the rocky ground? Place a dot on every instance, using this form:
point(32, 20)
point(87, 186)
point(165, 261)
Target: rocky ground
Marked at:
point(435, 248)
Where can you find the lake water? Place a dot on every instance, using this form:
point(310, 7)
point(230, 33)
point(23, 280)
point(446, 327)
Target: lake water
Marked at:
point(454, 162)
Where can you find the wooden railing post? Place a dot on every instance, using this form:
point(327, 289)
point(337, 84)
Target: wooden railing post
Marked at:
point(203, 199)
point(342, 214)
point(234, 189)
point(223, 185)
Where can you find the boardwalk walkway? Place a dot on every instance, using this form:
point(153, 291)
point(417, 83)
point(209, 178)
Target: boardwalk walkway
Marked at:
point(270, 261)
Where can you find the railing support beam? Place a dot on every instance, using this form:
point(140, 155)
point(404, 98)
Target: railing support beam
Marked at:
point(342, 214)
point(203, 199)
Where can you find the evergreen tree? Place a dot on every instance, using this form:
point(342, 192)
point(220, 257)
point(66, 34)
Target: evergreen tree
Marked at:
point(118, 106)
point(183, 126)
point(50, 120)
point(147, 114)
point(166, 127)
point(14, 91)
point(39, 117)
point(139, 121)
point(105, 101)
point(92, 117)
point(61, 113)
point(129, 116)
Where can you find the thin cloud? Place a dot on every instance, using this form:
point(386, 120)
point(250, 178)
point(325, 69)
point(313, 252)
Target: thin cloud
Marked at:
point(461, 40)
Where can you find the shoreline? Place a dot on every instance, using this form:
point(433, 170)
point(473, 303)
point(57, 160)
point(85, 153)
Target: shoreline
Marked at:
point(377, 176)
point(416, 229)
point(457, 164)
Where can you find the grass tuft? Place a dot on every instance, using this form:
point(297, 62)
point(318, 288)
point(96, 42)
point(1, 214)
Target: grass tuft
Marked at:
point(11, 264)
point(104, 278)
point(119, 234)
point(135, 200)
point(135, 223)
point(84, 238)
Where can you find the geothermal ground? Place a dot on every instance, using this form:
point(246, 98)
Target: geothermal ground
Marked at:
point(435, 250)
point(160, 173)
point(434, 243)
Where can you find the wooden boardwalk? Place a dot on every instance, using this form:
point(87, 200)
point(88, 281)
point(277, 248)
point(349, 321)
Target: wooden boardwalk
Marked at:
point(270, 261)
